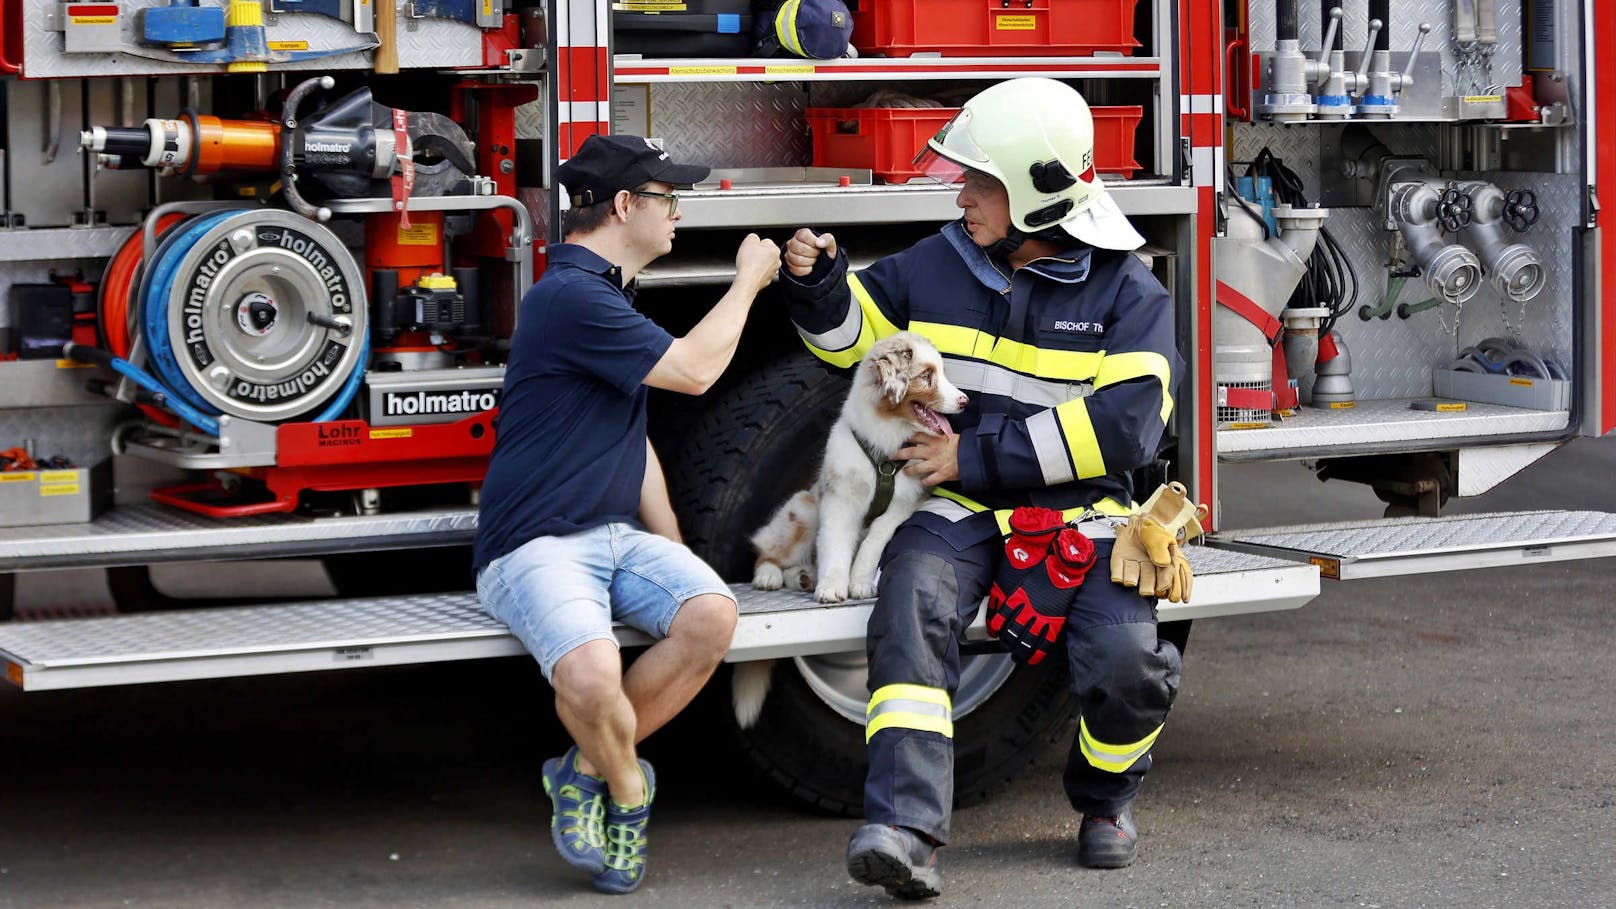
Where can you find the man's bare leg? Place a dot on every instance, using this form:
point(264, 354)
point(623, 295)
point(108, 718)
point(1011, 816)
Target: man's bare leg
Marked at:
point(670, 673)
point(590, 701)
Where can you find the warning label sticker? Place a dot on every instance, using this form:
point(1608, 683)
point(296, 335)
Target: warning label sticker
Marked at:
point(1015, 23)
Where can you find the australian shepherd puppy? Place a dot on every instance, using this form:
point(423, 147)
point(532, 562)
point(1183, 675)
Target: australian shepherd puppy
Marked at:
point(898, 391)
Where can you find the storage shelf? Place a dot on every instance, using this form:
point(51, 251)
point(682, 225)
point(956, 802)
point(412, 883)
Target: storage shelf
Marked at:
point(56, 244)
point(49, 383)
point(1382, 426)
point(631, 69)
point(802, 205)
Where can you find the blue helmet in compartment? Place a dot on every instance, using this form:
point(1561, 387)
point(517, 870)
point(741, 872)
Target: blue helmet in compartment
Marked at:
point(816, 29)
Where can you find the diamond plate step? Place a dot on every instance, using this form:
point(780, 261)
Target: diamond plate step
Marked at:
point(390, 631)
point(1397, 546)
point(144, 534)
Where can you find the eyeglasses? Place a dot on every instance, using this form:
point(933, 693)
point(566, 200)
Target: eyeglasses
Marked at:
point(672, 199)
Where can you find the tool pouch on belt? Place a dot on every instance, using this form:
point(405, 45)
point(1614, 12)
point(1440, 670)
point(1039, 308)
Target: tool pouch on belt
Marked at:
point(1149, 554)
point(1044, 563)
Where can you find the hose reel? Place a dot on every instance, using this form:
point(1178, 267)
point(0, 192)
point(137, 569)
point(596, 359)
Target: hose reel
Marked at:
point(259, 314)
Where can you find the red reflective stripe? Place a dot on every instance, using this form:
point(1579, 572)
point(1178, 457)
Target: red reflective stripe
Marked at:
point(110, 9)
point(1242, 306)
point(1604, 76)
point(1248, 398)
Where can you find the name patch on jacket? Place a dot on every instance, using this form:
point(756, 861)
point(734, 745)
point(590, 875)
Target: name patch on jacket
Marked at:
point(1050, 323)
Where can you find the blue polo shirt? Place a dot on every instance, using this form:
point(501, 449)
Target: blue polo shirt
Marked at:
point(570, 452)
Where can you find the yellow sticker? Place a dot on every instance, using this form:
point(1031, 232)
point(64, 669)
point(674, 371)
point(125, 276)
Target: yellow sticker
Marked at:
point(1015, 23)
point(418, 235)
point(807, 70)
point(288, 45)
point(60, 489)
point(488, 8)
point(1483, 99)
point(1455, 407)
point(1524, 383)
point(652, 6)
point(1343, 405)
point(702, 70)
point(391, 433)
point(1248, 425)
point(72, 364)
point(9, 477)
point(59, 476)
point(95, 20)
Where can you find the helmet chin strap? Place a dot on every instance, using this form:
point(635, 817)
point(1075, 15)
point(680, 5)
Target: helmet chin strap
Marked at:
point(1014, 236)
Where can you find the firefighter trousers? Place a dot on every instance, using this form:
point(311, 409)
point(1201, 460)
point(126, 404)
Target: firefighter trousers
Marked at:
point(1124, 677)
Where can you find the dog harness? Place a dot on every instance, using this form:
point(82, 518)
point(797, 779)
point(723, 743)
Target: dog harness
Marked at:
point(886, 472)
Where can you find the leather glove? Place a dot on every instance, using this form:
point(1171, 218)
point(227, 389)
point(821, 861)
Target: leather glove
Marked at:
point(1148, 554)
point(1030, 617)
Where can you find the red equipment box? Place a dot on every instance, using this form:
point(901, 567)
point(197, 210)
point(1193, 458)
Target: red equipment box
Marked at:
point(994, 28)
point(886, 139)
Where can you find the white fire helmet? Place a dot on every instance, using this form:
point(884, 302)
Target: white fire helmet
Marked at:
point(1036, 137)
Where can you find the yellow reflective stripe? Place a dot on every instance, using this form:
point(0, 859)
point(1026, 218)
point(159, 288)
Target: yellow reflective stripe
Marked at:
point(895, 706)
point(872, 327)
point(873, 316)
point(909, 721)
point(1112, 758)
point(1107, 506)
point(785, 26)
point(1081, 442)
point(1062, 365)
point(1124, 366)
point(909, 693)
point(955, 339)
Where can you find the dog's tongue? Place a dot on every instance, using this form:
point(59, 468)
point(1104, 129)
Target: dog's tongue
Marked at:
point(932, 420)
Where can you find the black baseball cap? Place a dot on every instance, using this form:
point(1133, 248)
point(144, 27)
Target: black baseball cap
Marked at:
point(605, 165)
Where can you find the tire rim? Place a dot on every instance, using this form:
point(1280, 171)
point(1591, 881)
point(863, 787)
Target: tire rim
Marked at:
point(841, 680)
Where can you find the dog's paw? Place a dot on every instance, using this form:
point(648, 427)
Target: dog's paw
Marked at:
point(767, 576)
point(831, 591)
point(861, 590)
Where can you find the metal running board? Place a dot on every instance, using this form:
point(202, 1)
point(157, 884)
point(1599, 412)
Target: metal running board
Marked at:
point(143, 534)
point(390, 631)
point(1399, 546)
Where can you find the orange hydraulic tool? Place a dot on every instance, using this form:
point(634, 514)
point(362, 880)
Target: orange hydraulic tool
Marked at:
point(191, 144)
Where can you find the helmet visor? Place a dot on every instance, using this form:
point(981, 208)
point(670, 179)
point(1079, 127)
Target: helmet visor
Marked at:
point(946, 171)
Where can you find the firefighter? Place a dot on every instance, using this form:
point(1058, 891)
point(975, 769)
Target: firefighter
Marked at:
point(1065, 342)
point(576, 529)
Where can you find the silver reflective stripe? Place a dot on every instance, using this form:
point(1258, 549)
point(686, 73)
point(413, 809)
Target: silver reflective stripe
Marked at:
point(842, 336)
point(1050, 445)
point(992, 379)
point(946, 508)
point(905, 705)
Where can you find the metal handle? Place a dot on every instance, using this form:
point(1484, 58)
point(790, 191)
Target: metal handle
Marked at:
point(1419, 41)
point(1238, 81)
point(6, 31)
point(1375, 26)
point(1324, 49)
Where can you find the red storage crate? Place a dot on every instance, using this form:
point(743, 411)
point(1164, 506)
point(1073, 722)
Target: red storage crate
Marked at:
point(886, 139)
point(994, 28)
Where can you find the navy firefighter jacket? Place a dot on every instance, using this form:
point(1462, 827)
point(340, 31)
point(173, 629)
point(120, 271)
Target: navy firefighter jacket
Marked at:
point(1069, 362)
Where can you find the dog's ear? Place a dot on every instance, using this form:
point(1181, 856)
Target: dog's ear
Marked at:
point(892, 372)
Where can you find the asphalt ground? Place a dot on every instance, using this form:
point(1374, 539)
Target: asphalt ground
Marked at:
point(1430, 741)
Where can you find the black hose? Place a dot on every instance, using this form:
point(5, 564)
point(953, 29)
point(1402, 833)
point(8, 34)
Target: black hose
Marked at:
point(1330, 281)
point(1285, 20)
point(1382, 10)
point(1325, 6)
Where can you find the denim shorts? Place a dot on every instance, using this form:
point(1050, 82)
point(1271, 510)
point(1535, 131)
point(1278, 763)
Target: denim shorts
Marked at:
point(559, 593)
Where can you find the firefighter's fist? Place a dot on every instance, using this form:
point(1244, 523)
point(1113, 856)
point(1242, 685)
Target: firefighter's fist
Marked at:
point(756, 263)
point(803, 249)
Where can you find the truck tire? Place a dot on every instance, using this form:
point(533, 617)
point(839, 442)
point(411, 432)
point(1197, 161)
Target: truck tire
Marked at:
point(801, 722)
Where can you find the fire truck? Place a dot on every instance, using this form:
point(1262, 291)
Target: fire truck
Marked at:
point(259, 265)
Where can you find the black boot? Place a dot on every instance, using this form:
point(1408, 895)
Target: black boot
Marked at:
point(1108, 842)
point(897, 858)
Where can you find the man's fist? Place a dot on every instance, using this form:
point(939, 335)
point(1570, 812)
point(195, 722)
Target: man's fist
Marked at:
point(756, 263)
point(803, 249)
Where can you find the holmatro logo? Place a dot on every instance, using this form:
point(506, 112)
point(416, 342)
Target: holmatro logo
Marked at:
point(411, 404)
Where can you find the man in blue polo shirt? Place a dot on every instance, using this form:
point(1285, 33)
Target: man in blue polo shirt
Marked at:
point(576, 528)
